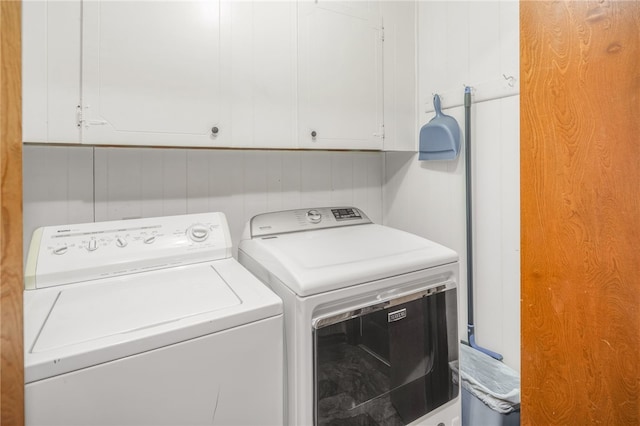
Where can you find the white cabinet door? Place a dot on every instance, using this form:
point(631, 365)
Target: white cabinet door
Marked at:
point(151, 74)
point(189, 73)
point(340, 75)
point(400, 89)
point(259, 38)
point(50, 71)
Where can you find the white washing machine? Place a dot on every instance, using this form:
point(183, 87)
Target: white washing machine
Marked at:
point(370, 317)
point(148, 322)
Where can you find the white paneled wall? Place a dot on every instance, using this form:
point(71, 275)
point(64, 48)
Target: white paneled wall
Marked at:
point(496, 162)
point(428, 199)
point(133, 183)
point(57, 187)
point(466, 43)
point(61, 183)
point(469, 43)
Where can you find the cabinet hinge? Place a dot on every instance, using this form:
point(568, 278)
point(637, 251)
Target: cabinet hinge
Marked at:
point(78, 115)
point(382, 33)
point(81, 121)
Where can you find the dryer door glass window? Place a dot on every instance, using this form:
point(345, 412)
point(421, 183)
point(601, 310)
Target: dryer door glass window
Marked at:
point(387, 365)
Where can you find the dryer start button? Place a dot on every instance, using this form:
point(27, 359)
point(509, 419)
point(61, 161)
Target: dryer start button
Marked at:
point(314, 216)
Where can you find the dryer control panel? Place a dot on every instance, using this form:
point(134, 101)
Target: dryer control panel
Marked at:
point(305, 219)
point(72, 253)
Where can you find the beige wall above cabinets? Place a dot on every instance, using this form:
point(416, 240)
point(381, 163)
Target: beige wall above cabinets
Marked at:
point(220, 73)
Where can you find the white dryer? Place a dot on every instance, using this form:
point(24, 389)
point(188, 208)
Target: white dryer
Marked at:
point(370, 317)
point(148, 322)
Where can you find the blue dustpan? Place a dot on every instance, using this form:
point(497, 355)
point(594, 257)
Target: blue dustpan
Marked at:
point(440, 137)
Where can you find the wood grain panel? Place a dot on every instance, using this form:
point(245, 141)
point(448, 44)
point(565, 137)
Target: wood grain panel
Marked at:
point(580, 212)
point(11, 347)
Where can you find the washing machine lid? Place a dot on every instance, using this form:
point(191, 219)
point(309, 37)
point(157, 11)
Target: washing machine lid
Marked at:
point(76, 326)
point(316, 261)
point(83, 314)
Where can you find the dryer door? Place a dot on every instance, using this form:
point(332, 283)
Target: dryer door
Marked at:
point(387, 363)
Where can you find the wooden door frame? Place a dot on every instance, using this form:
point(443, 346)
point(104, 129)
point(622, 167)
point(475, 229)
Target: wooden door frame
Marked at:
point(11, 337)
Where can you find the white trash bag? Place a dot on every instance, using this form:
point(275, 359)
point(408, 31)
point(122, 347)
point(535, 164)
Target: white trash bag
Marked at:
point(488, 379)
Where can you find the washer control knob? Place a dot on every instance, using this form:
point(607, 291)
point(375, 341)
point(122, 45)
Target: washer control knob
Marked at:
point(150, 239)
point(314, 216)
point(198, 232)
point(92, 245)
point(121, 242)
point(60, 250)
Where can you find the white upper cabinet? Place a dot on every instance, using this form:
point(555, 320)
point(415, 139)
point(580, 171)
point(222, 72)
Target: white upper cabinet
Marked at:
point(151, 73)
point(219, 73)
point(51, 71)
point(340, 75)
point(189, 73)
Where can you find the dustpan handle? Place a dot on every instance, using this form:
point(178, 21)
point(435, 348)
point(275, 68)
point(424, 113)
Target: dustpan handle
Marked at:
point(436, 104)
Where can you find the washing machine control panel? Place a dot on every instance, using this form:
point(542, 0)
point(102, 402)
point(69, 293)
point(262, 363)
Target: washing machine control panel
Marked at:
point(73, 253)
point(274, 223)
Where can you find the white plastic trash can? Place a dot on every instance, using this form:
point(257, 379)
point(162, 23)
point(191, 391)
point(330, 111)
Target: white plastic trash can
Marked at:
point(490, 390)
